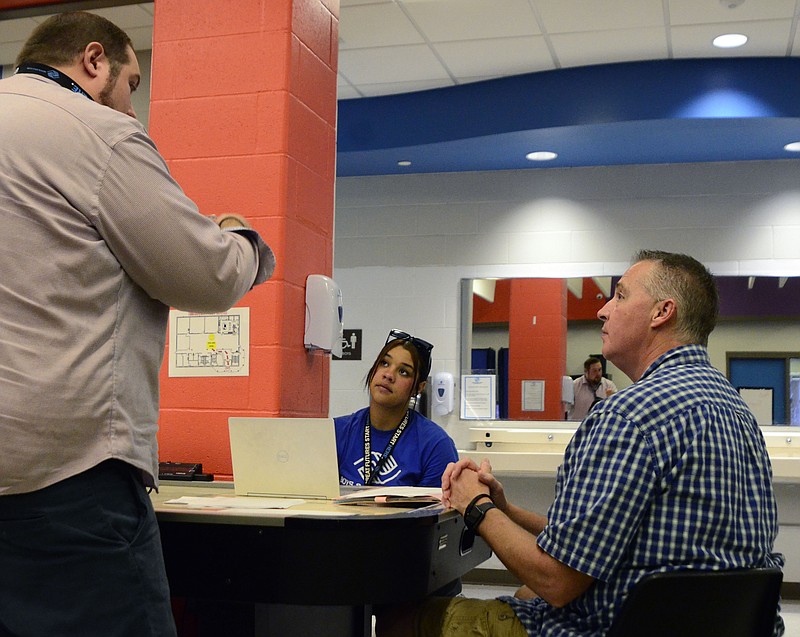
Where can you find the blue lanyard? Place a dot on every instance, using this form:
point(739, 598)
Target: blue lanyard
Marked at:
point(53, 74)
point(371, 474)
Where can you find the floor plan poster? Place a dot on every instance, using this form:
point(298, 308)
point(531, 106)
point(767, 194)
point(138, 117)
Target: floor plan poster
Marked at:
point(209, 344)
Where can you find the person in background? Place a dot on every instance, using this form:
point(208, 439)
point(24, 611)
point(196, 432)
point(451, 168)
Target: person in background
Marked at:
point(670, 473)
point(590, 389)
point(389, 443)
point(98, 243)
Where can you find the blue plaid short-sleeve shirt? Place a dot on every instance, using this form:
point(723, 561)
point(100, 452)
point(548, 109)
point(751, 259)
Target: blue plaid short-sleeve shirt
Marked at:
point(671, 472)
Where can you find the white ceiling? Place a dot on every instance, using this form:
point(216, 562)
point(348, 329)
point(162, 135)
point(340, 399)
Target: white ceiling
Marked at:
point(135, 19)
point(397, 46)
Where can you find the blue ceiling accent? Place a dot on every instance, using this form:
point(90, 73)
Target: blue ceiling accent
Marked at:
point(663, 111)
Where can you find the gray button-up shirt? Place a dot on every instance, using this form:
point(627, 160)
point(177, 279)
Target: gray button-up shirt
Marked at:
point(97, 242)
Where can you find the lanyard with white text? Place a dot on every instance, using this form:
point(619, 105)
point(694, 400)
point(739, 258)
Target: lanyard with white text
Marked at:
point(57, 76)
point(371, 474)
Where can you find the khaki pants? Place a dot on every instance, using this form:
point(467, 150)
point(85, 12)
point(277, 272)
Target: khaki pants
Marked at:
point(457, 617)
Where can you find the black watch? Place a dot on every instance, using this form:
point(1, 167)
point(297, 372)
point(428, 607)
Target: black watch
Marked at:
point(475, 511)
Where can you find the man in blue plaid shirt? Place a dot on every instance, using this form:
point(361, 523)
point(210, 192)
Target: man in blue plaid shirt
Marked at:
point(669, 473)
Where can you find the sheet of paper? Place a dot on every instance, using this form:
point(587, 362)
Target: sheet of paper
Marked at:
point(275, 513)
point(402, 492)
point(234, 502)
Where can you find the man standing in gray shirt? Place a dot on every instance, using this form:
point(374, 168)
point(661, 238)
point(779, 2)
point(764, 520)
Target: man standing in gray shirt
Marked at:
point(590, 388)
point(98, 243)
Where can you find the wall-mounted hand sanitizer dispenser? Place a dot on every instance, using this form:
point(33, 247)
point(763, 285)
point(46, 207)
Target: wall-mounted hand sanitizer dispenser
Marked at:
point(567, 390)
point(324, 325)
point(444, 388)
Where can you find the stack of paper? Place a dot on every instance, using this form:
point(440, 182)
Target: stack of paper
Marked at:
point(393, 496)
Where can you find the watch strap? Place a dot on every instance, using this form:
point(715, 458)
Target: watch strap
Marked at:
point(475, 501)
point(476, 510)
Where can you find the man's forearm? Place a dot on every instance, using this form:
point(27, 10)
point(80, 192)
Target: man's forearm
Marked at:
point(528, 520)
point(516, 547)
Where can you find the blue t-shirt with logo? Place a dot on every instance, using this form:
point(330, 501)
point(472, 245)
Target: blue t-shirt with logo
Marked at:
point(418, 459)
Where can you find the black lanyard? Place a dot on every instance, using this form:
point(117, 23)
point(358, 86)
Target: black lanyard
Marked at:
point(371, 474)
point(54, 74)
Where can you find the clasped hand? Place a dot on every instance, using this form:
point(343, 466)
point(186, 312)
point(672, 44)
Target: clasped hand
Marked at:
point(463, 480)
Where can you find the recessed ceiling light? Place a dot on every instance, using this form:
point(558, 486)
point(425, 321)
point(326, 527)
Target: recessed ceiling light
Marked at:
point(729, 40)
point(792, 147)
point(541, 155)
point(404, 162)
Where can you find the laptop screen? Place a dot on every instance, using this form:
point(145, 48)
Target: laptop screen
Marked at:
point(284, 457)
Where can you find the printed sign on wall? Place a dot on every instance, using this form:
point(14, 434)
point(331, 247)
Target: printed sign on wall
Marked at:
point(351, 346)
point(209, 344)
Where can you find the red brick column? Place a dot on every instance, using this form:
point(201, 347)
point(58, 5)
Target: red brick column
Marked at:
point(243, 107)
point(537, 344)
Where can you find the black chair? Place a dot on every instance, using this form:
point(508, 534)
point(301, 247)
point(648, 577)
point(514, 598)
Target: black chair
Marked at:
point(689, 603)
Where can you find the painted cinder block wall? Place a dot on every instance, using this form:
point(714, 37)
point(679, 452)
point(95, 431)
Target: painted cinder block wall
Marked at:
point(537, 344)
point(536, 313)
point(243, 107)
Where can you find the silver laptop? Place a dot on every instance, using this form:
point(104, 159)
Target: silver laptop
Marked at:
point(284, 457)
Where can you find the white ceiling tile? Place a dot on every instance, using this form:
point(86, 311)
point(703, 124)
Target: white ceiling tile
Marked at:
point(768, 37)
point(353, 3)
point(16, 30)
point(566, 16)
point(610, 46)
point(480, 78)
point(447, 20)
point(390, 64)
point(346, 92)
point(376, 90)
point(496, 57)
point(8, 53)
point(127, 16)
point(372, 25)
point(142, 37)
point(682, 12)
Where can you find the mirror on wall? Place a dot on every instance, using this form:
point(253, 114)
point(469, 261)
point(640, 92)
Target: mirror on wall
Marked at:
point(533, 335)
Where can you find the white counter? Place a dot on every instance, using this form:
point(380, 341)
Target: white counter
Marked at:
point(521, 449)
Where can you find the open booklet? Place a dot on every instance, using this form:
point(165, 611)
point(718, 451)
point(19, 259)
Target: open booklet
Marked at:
point(393, 496)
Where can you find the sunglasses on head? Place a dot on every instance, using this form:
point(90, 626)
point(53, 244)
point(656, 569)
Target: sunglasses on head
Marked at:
point(423, 348)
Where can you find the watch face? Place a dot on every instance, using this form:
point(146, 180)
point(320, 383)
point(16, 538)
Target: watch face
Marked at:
point(476, 513)
point(473, 517)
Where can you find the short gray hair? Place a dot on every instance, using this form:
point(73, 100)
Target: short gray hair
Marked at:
point(691, 285)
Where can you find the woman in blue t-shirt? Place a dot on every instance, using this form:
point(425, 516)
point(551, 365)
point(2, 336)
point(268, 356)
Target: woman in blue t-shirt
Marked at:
point(388, 443)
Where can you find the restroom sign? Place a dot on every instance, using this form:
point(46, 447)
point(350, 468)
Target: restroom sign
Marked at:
point(351, 346)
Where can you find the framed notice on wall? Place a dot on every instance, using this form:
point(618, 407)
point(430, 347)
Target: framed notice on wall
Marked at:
point(478, 396)
point(532, 395)
point(759, 399)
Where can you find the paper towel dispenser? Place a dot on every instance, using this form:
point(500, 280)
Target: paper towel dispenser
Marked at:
point(324, 324)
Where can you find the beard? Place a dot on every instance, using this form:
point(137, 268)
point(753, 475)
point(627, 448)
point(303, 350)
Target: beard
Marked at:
point(106, 95)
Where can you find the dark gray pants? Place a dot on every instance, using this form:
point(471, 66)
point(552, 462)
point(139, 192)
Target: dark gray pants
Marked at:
point(83, 558)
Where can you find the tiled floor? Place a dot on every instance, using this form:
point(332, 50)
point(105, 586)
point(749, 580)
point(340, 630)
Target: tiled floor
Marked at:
point(791, 617)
